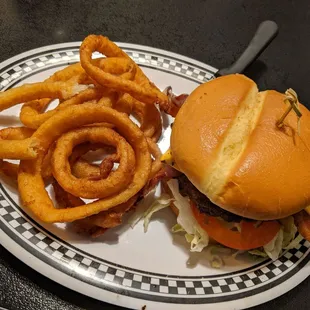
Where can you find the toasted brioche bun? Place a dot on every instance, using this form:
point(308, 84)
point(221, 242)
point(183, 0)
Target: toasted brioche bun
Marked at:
point(226, 141)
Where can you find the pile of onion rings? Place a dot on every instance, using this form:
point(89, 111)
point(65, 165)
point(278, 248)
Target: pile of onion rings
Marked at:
point(97, 99)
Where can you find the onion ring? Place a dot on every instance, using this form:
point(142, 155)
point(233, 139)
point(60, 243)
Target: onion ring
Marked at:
point(125, 68)
point(142, 90)
point(37, 106)
point(124, 103)
point(13, 133)
point(41, 90)
point(80, 168)
point(156, 154)
point(31, 113)
point(147, 114)
point(108, 100)
point(87, 188)
point(23, 149)
point(20, 133)
point(149, 119)
point(15, 143)
point(97, 224)
point(30, 182)
point(96, 98)
point(28, 148)
point(31, 117)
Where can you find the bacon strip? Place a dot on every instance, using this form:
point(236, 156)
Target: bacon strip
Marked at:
point(165, 173)
point(174, 102)
point(179, 100)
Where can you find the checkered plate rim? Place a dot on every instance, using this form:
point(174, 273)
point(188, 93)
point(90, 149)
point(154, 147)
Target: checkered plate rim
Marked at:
point(120, 279)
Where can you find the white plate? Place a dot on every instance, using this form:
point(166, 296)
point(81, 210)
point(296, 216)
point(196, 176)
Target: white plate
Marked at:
point(125, 266)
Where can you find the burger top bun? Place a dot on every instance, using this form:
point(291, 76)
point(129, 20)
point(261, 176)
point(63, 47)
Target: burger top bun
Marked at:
point(225, 139)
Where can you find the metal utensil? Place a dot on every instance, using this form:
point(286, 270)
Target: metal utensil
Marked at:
point(264, 35)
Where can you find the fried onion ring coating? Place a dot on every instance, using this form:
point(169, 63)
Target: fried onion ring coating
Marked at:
point(30, 181)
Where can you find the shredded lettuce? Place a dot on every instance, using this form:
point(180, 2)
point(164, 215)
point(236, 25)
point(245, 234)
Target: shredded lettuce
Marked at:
point(289, 230)
point(285, 239)
point(216, 262)
point(258, 252)
point(177, 228)
point(142, 206)
point(195, 235)
point(161, 203)
point(189, 238)
point(274, 248)
point(294, 242)
point(198, 238)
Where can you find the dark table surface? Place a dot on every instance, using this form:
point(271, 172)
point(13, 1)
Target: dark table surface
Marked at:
point(212, 31)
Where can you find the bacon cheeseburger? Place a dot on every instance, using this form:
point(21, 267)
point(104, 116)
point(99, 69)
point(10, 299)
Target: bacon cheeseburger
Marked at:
point(244, 163)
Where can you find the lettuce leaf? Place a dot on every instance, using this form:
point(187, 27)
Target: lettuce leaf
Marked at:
point(216, 262)
point(284, 240)
point(177, 228)
point(294, 242)
point(142, 206)
point(258, 252)
point(195, 235)
point(289, 230)
point(274, 248)
point(161, 203)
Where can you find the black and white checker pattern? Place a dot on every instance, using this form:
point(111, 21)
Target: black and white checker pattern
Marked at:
point(70, 56)
point(172, 65)
point(35, 64)
point(107, 275)
point(103, 272)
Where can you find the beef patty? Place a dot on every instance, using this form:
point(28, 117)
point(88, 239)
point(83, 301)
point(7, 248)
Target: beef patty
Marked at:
point(203, 203)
